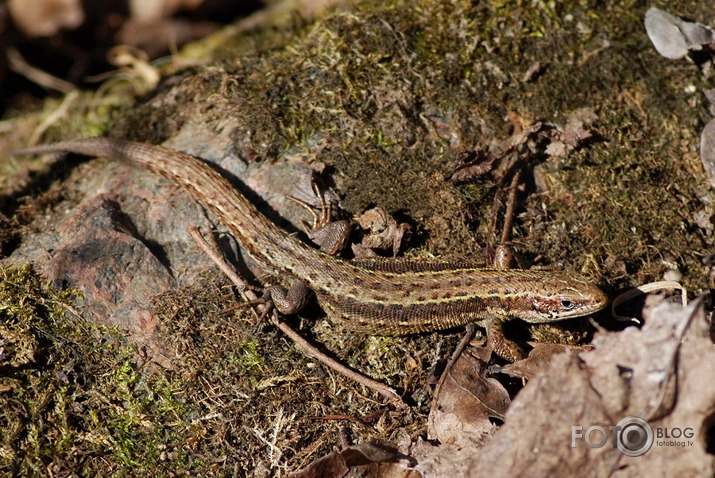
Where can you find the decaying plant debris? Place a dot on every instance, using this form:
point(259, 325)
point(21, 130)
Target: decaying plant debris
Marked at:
point(128, 362)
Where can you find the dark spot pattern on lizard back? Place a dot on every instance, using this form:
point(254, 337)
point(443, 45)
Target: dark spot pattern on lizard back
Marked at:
point(391, 318)
point(396, 308)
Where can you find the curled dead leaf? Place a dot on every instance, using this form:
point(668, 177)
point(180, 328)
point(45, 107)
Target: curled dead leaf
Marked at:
point(673, 37)
point(539, 359)
point(467, 400)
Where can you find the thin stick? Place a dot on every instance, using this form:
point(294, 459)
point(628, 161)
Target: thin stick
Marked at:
point(56, 116)
point(510, 208)
point(461, 347)
point(20, 66)
point(300, 343)
point(310, 350)
point(214, 255)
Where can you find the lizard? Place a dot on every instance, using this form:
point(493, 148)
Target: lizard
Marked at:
point(381, 297)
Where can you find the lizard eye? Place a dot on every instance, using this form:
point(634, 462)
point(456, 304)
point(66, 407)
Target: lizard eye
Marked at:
point(566, 304)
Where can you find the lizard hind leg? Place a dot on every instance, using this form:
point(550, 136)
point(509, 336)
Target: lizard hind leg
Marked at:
point(289, 300)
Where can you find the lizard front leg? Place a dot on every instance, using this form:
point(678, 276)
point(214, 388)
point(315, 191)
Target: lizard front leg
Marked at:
point(329, 235)
point(504, 258)
point(502, 346)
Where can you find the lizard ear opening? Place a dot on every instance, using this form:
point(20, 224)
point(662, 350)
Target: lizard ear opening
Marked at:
point(546, 309)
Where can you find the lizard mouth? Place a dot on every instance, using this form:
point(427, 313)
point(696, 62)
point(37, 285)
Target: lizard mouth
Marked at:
point(595, 303)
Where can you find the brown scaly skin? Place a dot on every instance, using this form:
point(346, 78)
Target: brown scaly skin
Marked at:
point(380, 298)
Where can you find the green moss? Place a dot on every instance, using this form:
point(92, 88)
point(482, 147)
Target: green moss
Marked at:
point(74, 399)
point(252, 358)
point(395, 94)
point(388, 95)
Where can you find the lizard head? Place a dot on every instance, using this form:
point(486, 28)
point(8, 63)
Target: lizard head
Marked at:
point(566, 296)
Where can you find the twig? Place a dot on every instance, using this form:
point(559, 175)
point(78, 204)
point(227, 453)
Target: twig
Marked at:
point(214, 255)
point(54, 117)
point(310, 350)
point(461, 347)
point(300, 343)
point(510, 208)
point(42, 78)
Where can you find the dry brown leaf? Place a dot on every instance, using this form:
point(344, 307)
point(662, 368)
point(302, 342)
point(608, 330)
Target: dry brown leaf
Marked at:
point(466, 401)
point(383, 232)
point(474, 164)
point(673, 37)
point(331, 465)
point(45, 17)
point(539, 359)
point(707, 150)
point(540, 137)
point(565, 139)
point(150, 11)
point(367, 454)
point(628, 374)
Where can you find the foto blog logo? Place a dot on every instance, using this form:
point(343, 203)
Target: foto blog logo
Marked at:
point(632, 436)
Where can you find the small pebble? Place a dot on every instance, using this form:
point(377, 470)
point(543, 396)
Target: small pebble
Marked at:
point(673, 275)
